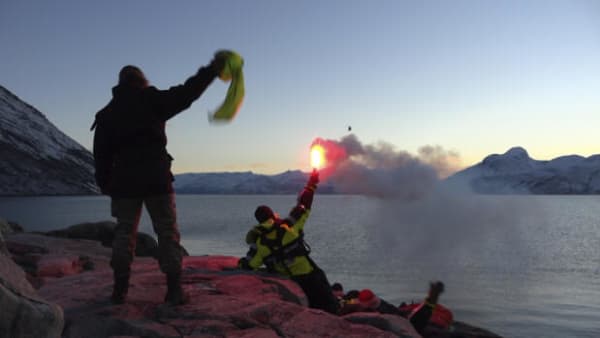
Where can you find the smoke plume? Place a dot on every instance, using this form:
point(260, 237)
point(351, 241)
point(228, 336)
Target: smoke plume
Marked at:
point(382, 171)
point(419, 218)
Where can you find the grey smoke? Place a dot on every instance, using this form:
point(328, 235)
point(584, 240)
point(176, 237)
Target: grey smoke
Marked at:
point(419, 217)
point(382, 171)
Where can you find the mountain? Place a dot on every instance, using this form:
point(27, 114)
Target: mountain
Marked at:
point(36, 157)
point(514, 172)
point(289, 182)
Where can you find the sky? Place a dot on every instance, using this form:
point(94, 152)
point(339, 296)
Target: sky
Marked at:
point(474, 77)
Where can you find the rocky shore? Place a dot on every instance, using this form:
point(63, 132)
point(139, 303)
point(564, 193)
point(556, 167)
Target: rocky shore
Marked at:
point(58, 285)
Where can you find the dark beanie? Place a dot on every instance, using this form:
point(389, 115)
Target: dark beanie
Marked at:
point(132, 76)
point(263, 213)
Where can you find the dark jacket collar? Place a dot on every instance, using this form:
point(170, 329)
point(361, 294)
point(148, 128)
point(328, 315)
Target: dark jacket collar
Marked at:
point(124, 90)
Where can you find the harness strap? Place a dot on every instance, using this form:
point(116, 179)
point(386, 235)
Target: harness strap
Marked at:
point(284, 253)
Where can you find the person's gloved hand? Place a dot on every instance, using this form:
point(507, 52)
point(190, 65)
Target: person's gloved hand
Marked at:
point(313, 180)
point(244, 264)
point(219, 60)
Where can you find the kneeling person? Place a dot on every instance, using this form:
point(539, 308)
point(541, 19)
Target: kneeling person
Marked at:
point(279, 245)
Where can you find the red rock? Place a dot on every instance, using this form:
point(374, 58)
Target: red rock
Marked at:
point(17, 248)
point(58, 266)
point(212, 263)
point(223, 302)
point(23, 312)
point(252, 333)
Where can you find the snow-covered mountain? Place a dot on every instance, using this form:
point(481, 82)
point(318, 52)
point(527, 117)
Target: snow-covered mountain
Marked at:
point(36, 158)
point(289, 182)
point(513, 172)
point(516, 172)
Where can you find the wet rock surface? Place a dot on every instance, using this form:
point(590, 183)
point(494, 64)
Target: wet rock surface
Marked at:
point(21, 306)
point(224, 301)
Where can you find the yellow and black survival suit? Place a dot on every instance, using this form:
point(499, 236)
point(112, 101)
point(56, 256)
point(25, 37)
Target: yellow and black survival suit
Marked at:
point(279, 245)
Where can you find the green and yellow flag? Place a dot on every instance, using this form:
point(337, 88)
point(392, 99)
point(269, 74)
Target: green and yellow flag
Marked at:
point(232, 71)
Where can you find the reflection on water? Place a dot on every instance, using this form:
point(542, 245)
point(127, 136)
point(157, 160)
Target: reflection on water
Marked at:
point(522, 266)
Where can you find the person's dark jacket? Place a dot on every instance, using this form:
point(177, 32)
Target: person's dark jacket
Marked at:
point(130, 152)
point(387, 308)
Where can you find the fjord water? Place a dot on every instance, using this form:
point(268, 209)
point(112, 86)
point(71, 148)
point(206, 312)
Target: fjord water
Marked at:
point(521, 266)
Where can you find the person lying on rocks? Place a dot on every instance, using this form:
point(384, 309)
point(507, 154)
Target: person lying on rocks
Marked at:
point(279, 245)
point(419, 316)
point(338, 291)
point(367, 301)
point(351, 297)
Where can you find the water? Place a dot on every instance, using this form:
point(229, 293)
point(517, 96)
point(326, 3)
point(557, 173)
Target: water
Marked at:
point(521, 266)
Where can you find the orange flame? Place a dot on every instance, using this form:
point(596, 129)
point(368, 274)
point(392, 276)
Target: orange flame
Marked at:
point(317, 156)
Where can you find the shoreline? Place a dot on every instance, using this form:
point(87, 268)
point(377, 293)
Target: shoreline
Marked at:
point(75, 275)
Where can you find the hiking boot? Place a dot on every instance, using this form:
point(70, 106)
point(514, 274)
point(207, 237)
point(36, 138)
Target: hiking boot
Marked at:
point(120, 289)
point(175, 294)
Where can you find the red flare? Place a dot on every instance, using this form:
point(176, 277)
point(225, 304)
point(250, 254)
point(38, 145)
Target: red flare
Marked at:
point(333, 152)
point(317, 156)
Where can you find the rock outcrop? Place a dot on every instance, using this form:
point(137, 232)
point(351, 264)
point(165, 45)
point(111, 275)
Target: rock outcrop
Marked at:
point(224, 301)
point(45, 258)
point(24, 313)
point(104, 232)
point(7, 227)
point(223, 304)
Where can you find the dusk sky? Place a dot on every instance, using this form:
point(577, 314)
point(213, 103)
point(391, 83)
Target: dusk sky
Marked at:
point(475, 77)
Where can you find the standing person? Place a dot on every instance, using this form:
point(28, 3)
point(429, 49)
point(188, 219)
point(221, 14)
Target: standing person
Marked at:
point(133, 167)
point(279, 244)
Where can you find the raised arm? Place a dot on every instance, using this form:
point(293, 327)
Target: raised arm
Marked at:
point(306, 196)
point(301, 211)
point(178, 98)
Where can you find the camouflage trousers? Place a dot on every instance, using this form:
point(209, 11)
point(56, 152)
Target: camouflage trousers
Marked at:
point(128, 211)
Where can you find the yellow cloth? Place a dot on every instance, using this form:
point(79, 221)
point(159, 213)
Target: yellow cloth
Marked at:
point(232, 71)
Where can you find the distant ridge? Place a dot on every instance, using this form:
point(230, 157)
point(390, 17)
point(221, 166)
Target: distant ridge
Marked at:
point(36, 157)
point(289, 182)
point(514, 172)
